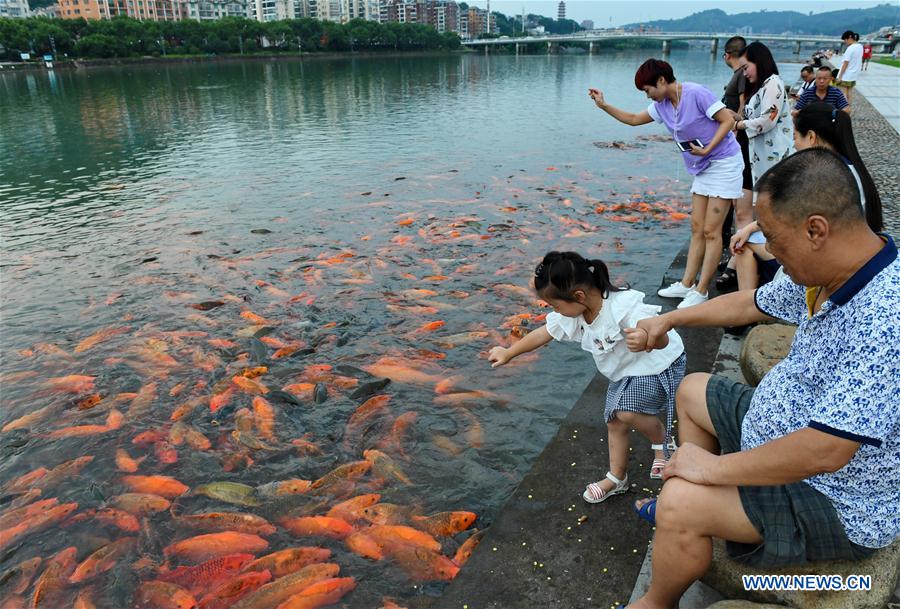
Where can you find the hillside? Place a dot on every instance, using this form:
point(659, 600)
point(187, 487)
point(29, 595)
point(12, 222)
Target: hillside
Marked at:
point(775, 22)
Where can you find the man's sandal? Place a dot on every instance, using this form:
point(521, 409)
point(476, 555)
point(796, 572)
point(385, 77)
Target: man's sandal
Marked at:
point(594, 493)
point(647, 511)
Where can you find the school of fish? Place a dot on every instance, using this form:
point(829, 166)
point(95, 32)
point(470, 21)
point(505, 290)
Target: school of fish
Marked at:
point(260, 448)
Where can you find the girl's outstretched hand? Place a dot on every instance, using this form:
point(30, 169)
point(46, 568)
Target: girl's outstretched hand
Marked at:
point(636, 339)
point(498, 356)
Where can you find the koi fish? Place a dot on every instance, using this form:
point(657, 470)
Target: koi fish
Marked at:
point(289, 560)
point(351, 510)
point(226, 521)
point(19, 577)
point(465, 550)
point(140, 504)
point(234, 589)
point(102, 560)
point(74, 383)
point(163, 595)
point(342, 473)
point(317, 526)
point(108, 516)
point(444, 524)
point(214, 545)
point(385, 467)
point(199, 577)
point(163, 486)
point(264, 418)
point(99, 337)
point(55, 577)
point(276, 592)
point(321, 594)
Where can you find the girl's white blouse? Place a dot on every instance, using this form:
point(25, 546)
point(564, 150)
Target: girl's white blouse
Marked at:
point(605, 341)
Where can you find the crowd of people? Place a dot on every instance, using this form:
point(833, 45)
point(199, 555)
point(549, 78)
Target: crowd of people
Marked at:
point(806, 466)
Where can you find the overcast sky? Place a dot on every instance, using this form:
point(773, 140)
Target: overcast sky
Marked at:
point(606, 14)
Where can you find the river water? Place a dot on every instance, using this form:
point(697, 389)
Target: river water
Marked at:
point(373, 216)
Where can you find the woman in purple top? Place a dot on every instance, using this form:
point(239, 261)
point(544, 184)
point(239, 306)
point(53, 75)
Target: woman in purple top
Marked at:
point(691, 112)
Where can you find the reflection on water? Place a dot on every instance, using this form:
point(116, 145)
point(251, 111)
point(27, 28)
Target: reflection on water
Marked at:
point(168, 229)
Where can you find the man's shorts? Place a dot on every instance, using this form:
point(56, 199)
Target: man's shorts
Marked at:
point(798, 524)
point(847, 84)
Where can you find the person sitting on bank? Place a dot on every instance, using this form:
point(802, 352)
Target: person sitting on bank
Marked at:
point(823, 91)
point(805, 467)
point(818, 125)
point(807, 81)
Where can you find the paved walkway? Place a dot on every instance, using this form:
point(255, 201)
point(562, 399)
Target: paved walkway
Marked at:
point(881, 86)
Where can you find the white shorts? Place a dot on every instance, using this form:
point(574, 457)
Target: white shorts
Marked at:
point(724, 178)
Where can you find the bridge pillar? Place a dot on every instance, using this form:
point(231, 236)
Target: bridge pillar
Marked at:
point(487, 50)
point(518, 48)
point(593, 48)
point(797, 48)
point(714, 46)
point(667, 47)
point(552, 48)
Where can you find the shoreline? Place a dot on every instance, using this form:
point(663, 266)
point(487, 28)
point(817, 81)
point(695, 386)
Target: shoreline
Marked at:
point(69, 64)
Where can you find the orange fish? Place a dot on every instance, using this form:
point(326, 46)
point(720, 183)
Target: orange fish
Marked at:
point(389, 603)
point(406, 222)
point(17, 515)
point(423, 565)
point(342, 473)
point(220, 343)
point(362, 545)
point(249, 385)
point(163, 486)
point(163, 595)
point(226, 521)
point(320, 594)
point(36, 523)
point(74, 383)
point(391, 535)
point(385, 467)
point(102, 560)
point(445, 524)
point(677, 215)
point(234, 589)
point(293, 486)
point(213, 545)
point(108, 516)
point(276, 592)
point(113, 421)
point(289, 560)
point(148, 437)
point(256, 319)
point(31, 419)
point(319, 526)
point(429, 327)
point(19, 577)
point(399, 429)
point(89, 402)
point(387, 513)
point(199, 577)
point(288, 350)
point(165, 453)
point(55, 577)
point(351, 510)
point(84, 600)
point(436, 278)
point(465, 550)
point(187, 408)
point(99, 337)
point(221, 399)
point(402, 374)
point(264, 418)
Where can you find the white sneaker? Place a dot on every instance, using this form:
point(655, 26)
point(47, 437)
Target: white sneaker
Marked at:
point(693, 298)
point(676, 290)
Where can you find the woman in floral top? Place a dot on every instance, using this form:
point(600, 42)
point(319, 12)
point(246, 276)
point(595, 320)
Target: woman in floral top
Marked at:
point(767, 114)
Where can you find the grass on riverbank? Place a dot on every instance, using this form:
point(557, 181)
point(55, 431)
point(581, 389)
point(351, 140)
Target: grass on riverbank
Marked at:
point(888, 61)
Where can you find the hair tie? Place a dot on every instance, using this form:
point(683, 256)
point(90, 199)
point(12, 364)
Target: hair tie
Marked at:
point(539, 270)
point(591, 268)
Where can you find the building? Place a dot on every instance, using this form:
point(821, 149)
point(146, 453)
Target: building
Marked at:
point(479, 22)
point(153, 10)
point(206, 10)
point(271, 10)
point(15, 9)
point(561, 10)
point(587, 24)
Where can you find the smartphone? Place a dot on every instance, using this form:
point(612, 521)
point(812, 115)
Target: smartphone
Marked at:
point(686, 146)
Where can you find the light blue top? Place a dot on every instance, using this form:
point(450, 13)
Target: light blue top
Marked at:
point(842, 377)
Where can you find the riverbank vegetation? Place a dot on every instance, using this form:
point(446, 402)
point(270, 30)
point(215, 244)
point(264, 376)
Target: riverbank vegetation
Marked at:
point(126, 37)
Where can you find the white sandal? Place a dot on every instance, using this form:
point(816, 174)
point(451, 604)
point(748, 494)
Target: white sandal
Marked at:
point(594, 493)
point(659, 464)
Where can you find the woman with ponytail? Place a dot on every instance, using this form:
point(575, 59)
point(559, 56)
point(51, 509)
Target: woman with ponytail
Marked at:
point(818, 125)
point(589, 309)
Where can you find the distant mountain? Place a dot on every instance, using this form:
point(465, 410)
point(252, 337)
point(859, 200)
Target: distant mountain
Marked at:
point(863, 20)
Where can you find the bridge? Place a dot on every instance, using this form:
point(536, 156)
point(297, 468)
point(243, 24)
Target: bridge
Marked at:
point(593, 36)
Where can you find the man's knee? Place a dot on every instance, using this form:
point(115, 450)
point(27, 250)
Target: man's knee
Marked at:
point(691, 393)
point(625, 417)
point(677, 501)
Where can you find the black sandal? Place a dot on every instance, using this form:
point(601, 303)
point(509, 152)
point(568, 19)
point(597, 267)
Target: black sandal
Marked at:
point(727, 281)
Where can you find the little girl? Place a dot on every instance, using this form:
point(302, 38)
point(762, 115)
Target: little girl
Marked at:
point(589, 309)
